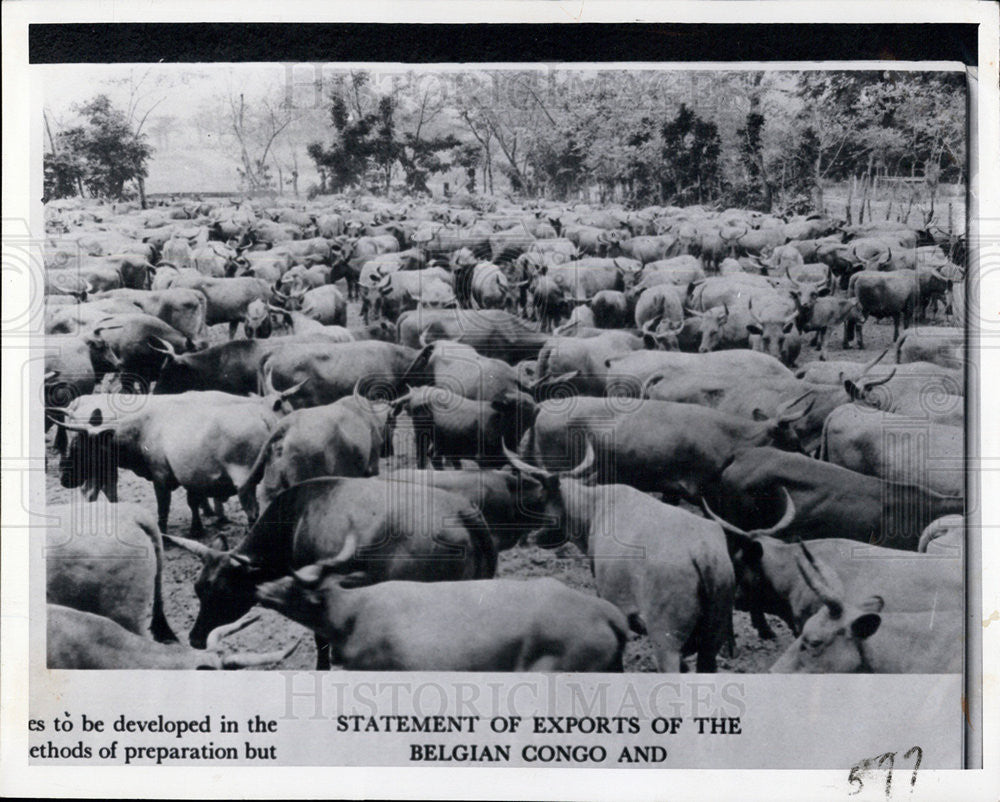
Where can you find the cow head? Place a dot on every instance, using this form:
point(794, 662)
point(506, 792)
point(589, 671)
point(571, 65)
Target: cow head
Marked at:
point(805, 294)
point(92, 459)
point(517, 411)
point(102, 356)
point(293, 300)
point(549, 498)
point(863, 390)
point(711, 327)
point(381, 330)
point(754, 591)
point(257, 320)
point(300, 597)
point(277, 400)
point(661, 334)
point(180, 372)
point(778, 430)
point(609, 242)
point(832, 640)
point(778, 337)
point(225, 587)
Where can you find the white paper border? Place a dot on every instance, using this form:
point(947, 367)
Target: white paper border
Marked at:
point(507, 783)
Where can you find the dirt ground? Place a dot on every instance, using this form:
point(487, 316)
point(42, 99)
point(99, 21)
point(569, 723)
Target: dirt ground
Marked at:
point(272, 631)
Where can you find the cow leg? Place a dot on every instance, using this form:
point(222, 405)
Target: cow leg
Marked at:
point(322, 654)
point(821, 341)
point(248, 501)
point(194, 502)
point(232, 329)
point(760, 624)
point(220, 511)
point(895, 327)
point(667, 654)
point(860, 329)
point(162, 504)
point(706, 662)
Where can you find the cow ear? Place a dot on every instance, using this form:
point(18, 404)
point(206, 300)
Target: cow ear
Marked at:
point(788, 326)
point(759, 415)
point(851, 389)
point(753, 328)
point(823, 291)
point(753, 551)
point(865, 625)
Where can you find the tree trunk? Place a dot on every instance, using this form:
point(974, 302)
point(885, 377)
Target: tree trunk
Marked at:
point(142, 191)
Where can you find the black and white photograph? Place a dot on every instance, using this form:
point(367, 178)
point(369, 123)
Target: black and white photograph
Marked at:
point(388, 386)
point(508, 370)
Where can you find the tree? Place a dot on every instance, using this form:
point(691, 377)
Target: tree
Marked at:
point(758, 191)
point(691, 148)
point(368, 141)
point(98, 158)
point(64, 164)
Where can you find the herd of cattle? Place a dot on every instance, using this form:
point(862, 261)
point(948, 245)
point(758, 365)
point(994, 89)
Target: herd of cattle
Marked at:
point(405, 390)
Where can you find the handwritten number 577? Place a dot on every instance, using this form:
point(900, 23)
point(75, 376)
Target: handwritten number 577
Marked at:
point(870, 764)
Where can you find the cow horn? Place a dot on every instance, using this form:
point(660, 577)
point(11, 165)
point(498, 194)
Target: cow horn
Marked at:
point(787, 273)
point(558, 331)
point(82, 428)
point(650, 381)
point(268, 383)
point(693, 312)
point(160, 345)
point(96, 331)
point(288, 393)
point(249, 660)
point(50, 375)
point(214, 639)
point(875, 361)
point(586, 464)
point(402, 400)
point(346, 553)
point(817, 582)
point(521, 465)
point(786, 519)
point(869, 383)
point(784, 415)
point(193, 546)
point(650, 325)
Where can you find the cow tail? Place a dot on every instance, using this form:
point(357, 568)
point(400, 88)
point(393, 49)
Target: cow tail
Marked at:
point(159, 627)
point(260, 464)
point(261, 373)
point(899, 346)
point(824, 450)
point(715, 625)
point(623, 634)
point(483, 547)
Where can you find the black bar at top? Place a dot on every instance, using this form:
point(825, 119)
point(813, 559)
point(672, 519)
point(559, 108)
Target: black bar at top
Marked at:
point(428, 43)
